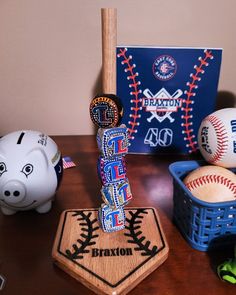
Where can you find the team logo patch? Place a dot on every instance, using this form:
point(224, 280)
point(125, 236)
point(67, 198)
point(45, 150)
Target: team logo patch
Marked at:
point(164, 67)
point(161, 104)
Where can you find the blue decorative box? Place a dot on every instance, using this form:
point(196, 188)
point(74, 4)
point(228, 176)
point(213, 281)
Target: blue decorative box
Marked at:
point(204, 225)
point(166, 92)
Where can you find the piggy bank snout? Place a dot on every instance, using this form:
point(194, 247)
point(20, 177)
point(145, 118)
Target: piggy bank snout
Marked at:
point(13, 192)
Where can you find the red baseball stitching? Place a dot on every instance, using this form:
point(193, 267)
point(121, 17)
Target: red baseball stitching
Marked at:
point(188, 131)
point(221, 138)
point(212, 179)
point(132, 75)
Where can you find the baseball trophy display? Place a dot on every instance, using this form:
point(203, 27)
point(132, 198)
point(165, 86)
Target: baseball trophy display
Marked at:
point(111, 249)
point(106, 112)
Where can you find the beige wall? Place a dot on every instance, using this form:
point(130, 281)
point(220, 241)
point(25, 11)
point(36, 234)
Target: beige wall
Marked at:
point(50, 52)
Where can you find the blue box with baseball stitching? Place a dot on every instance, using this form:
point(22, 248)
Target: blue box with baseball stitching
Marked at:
point(166, 92)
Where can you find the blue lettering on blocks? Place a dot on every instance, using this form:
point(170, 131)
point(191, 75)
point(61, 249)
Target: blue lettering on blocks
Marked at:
point(117, 194)
point(102, 114)
point(113, 142)
point(124, 193)
point(111, 170)
point(111, 219)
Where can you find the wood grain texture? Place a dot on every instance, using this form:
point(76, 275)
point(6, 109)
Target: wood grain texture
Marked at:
point(110, 263)
point(27, 238)
point(109, 41)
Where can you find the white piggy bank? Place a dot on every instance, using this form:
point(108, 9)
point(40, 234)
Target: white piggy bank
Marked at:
point(30, 171)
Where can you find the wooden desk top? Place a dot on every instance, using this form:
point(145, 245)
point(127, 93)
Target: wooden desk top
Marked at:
point(26, 238)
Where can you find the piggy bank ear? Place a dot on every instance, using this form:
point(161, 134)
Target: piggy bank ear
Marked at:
point(38, 157)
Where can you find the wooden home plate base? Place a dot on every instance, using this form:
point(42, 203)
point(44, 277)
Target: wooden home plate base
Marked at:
point(109, 263)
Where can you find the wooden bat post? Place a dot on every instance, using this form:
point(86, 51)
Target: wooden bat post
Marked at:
point(109, 41)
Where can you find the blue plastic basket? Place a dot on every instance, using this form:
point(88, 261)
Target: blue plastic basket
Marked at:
point(204, 225)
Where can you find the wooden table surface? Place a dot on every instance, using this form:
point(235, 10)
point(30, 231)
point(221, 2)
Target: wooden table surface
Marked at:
point(26, 238)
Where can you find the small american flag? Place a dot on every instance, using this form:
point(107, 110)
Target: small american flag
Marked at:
point(67, 163)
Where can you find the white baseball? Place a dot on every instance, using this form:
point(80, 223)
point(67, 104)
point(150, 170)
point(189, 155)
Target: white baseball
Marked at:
point(217, 138)
point(212, 184)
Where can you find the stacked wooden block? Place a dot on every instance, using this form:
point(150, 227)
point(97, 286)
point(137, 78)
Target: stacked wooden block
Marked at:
point(112, 140)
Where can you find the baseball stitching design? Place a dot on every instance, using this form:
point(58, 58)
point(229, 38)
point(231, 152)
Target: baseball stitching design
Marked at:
point(221, 138)
point(134, 85)
point(88, 227)
point(212, 179)
point(136, 236)
point(191, 143)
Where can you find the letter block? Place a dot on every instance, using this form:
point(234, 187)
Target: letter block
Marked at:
point(113, 142)
point(111, 170)
point(117, 194)
point(111, 219)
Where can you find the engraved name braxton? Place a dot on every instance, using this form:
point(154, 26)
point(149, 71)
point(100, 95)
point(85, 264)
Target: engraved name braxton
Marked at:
point(96, 252)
